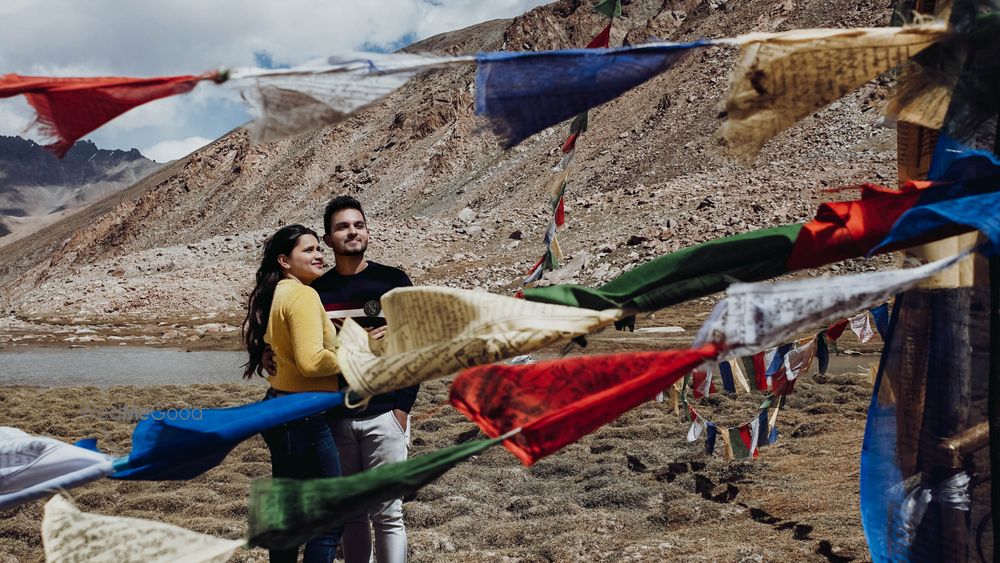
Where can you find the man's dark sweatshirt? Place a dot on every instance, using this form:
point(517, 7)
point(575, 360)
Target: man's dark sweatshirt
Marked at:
point(358, 297)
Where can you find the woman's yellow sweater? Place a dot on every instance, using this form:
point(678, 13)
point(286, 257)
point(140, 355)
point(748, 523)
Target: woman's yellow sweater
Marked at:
point(304, 341)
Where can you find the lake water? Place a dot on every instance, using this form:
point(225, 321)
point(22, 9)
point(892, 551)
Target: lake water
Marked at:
point(119, 365)
point(136, 365)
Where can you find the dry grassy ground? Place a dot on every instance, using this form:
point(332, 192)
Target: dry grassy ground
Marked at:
point(633, 490)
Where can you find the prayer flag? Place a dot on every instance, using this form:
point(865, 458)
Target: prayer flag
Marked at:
point(70, 535)
point(288, 512)
point(778, 359)
point(758, 315)
point(761, 429)
point(786, 76)
point(822, 352)
point(839, 231)
point(682, 275)
point(848, 229)
point(702, 383)
point(437, 331)
point(536, 271)
point(602, 40)
point(754, 366)
point(711, 431)
point(861, 327)
point(969, 199)
point(34, 467)
point(836, 329)
point(570, 143)
point(522, 93)
point(738, 374)
point(297, 100)
point(68, 108)
point(695, 430)
point(726, 373)
point(739, 442)
point(796, 362)
point(610, 8)
point(557, 402)
point(881, 316)
point(196, 440)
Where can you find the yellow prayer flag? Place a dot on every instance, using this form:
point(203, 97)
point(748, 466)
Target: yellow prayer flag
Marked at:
point(436, 331)
point(784, 77)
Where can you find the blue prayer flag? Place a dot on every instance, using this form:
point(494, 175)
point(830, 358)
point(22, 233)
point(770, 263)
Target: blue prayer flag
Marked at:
point(969, 199)
point(726, 371)
point(778, 361)
point(710, 433)
point(524, 92)
point(188, 442)
point(87, 444)
point(762, 432)
point(881, 316)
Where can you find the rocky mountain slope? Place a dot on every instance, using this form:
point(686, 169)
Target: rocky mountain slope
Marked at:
point(37, 189)
point(445, 202)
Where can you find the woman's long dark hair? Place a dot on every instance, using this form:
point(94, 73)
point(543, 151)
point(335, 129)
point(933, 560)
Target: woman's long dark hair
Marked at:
point(259, 305)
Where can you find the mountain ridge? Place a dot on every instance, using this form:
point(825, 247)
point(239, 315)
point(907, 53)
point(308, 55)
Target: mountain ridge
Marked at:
point(36, 188)
point(649, 176)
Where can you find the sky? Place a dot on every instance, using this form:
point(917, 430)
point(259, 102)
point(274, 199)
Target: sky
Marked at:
point(177, 37)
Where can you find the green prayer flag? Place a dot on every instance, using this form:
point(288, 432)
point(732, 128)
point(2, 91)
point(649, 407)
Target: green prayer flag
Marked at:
point(610, 8)
point(579, 124)
point(285, 513)
point(686, 274)
point(748, 367)
point(740, 450)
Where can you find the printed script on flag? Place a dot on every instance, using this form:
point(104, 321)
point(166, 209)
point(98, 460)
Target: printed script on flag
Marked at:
point(71, 535)
point(436, 331)
point(784, 77)
point(756, 316)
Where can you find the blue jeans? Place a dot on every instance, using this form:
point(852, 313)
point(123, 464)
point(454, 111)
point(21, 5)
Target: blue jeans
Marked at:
point(305, 449)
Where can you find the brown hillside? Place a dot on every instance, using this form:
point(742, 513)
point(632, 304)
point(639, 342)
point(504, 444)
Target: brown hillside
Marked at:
point(648, 178)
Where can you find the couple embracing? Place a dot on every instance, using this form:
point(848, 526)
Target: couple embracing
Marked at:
point(290, 332)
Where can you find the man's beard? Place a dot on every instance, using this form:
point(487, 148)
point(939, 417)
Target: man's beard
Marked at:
point(358, 252)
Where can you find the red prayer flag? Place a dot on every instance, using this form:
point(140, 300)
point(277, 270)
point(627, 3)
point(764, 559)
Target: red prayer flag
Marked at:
point(836, 329)
point(780, 384)
point(560, 214)
point(847, 229)
point(557, 402)
point(602, 40)
point(702, 384)
point(570, 143)
point(760, 371)
point(746, 436)
point(69, 108)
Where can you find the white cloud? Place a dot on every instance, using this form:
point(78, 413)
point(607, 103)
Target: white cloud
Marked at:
point(15, 117)
point(111, 37)
point(165, 151)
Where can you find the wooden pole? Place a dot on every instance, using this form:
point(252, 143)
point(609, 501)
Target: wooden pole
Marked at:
point(933, 398)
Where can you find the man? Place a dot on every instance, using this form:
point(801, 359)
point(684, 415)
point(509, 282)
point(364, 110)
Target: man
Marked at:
point(376, 434)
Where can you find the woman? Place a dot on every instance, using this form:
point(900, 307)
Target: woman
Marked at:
point(287, 315)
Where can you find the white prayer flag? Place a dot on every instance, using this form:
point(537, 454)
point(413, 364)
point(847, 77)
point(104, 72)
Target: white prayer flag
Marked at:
point(756, 316)
point(34, 467)
point(71, 535)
